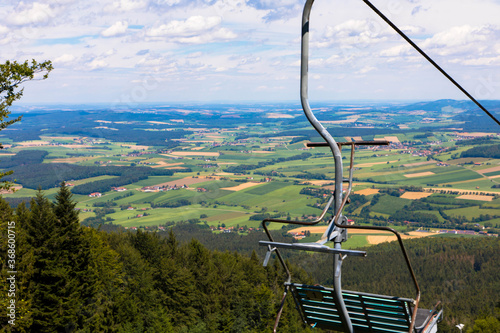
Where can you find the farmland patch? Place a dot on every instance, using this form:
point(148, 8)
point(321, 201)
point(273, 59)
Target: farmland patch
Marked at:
point(419, 174)
point(415, 195)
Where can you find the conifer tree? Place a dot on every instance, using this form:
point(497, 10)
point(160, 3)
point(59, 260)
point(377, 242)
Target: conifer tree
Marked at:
point(54, 303)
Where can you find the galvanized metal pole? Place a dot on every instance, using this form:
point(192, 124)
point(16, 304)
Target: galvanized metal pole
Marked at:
point(336, 155)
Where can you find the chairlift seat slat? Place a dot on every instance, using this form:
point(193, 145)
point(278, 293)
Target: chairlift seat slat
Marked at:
point(375, 313)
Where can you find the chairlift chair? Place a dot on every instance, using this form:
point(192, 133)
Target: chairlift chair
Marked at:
point(335, 308)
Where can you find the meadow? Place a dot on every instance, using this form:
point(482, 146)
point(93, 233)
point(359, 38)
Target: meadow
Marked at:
point(258, 166)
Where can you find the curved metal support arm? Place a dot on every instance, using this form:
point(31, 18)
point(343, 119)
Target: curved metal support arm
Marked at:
point(304, 78)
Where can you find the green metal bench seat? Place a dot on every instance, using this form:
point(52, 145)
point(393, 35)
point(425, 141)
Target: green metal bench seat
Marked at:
point(368, 312)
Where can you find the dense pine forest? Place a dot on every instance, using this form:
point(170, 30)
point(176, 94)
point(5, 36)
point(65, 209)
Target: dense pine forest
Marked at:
point(77, 279)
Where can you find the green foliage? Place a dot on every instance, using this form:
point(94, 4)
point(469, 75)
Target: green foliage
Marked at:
point(75, 279)
point(491, 151)
point(476, 141)
point(12, 75)
point(50, 175)
point(488, 323)
point(23, 157)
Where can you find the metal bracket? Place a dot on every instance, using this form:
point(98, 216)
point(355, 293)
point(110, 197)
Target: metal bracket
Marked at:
point(268, 255)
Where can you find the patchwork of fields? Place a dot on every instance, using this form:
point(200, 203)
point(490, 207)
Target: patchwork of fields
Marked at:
point(237, 175)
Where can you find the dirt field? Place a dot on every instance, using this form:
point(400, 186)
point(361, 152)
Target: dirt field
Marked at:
point(419, 163)
point(415, 195)
point(162, 164)
point(240, 187)
point(187, 181)
point(391, 238)
point(318, 182)
point(493, 169)
point(393, 139)
point(193, 153)
point(367, 165)
point(460, 191)
point(420, 174)
point(476, 197)
point(476, 134)
point(367, 191)
point(197, 148)
point(279, 115)
point(372, 239)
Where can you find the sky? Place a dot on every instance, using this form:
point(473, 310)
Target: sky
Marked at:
point(128, 52)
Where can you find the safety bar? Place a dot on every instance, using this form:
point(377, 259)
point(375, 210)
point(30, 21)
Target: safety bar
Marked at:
point(314, 247)
point(269, 220)
point(355, 143)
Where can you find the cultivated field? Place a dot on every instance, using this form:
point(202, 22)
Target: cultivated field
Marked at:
point(367, 191)
point(240, 187)
point(415, 195)
point(476, 197)
point(419, 174)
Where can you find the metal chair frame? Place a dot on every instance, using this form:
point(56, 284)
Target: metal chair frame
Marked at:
point(337, 225)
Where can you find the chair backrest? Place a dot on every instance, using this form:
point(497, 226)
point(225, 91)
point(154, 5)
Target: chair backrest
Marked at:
point(368, 312)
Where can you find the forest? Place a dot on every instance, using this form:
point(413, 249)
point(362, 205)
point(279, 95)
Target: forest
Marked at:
point(490, 151)
point(34, 175)
point(72, 278)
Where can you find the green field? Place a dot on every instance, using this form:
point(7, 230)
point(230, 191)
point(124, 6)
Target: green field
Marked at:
point(242, 151)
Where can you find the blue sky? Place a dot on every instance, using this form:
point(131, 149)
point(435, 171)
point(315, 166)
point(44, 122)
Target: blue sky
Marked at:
point(129, 52)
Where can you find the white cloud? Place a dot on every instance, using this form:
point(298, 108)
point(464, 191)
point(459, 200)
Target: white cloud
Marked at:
point(126, 6)
point(35, 14)
point(65, 58)
point(97, 64)
point(117, 29)
point(354, 33)
point(194, 30)
point(459, 36)
point(189, 27)
point(246, 43)
point(109, 53)
point(366, 69)
point(485, 61)
point(397, 51)
point(412, 29)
